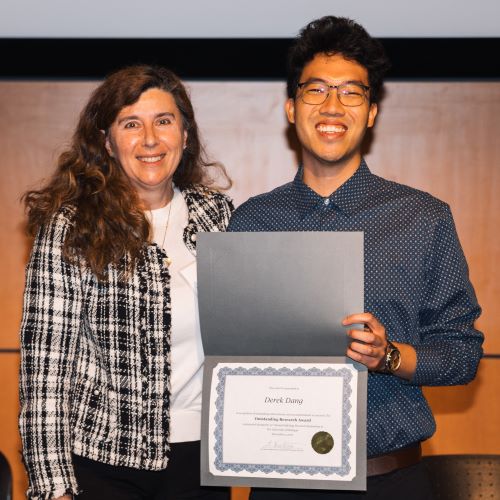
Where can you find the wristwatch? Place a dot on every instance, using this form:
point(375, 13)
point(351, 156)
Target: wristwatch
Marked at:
point(392, 360)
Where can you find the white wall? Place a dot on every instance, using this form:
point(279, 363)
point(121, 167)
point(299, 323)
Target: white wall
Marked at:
point(243, 18)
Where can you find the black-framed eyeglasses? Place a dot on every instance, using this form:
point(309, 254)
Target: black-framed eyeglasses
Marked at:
point(348, 93)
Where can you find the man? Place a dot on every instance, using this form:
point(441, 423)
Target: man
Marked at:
point(419, 304)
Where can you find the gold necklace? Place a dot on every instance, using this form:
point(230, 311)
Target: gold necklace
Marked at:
point(167, 261)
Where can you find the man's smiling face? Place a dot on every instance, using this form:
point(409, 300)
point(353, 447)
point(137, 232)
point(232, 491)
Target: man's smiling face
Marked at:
point(331, 133)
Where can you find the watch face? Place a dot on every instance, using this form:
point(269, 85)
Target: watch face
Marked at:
point(394, 359)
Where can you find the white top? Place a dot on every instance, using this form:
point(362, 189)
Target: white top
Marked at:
point(186, 347)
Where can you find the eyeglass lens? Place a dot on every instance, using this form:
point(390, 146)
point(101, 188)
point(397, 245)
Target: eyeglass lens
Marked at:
point(349, 94)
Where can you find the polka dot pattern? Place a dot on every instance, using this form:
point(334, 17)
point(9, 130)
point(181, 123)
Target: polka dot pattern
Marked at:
point(416, 283)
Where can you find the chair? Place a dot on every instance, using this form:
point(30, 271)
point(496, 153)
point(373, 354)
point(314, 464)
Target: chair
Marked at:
point(460, 477)
point(5, 479)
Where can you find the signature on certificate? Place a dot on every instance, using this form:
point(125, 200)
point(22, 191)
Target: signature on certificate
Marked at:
point(281, 446)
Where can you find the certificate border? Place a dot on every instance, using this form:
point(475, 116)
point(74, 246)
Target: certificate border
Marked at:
point(346, 376)
point(359, 480)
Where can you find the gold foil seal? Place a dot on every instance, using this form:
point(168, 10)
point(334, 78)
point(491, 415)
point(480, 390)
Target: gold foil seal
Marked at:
point(322, 442)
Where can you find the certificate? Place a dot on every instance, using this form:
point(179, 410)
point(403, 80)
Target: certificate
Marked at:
point(282, 405)
point(284, 422)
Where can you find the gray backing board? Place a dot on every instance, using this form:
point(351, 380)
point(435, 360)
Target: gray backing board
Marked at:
point(278, 293)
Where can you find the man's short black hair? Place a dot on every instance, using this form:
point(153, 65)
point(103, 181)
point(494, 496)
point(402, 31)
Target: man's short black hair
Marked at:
point(338, 35)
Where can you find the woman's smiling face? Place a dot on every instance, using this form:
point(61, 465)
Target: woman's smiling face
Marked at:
point(147, 138)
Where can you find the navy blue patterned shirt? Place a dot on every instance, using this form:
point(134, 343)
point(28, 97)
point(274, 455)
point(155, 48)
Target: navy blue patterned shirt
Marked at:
point(416, 284)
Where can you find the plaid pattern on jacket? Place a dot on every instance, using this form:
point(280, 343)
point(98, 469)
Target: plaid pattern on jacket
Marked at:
point(95, 356)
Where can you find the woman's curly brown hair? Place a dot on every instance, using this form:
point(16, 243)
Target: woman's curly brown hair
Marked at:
point(109, 221)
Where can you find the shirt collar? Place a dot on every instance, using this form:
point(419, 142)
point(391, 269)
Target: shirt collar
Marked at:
point(348, 198)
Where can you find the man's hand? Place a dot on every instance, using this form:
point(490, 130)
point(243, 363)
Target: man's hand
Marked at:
point(369, 345)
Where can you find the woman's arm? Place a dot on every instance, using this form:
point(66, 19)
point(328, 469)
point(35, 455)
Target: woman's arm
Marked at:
point(49, 339)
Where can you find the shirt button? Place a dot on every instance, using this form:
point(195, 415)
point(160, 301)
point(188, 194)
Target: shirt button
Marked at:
point(326, 201)
point(193, 237)
point(96, 392)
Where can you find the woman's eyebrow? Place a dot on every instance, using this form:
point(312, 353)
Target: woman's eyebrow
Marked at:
point(136, 117)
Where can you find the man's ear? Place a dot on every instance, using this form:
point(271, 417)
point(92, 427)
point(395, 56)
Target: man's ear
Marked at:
point(290, 110)
point(372, 113)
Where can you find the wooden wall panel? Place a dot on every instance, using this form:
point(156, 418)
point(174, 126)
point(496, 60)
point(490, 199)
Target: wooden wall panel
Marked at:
point(37, 119)
point(467, 417)
point(440, 137)
point(240, 493)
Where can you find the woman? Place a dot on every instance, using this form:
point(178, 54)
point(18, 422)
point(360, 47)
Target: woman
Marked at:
point(111, 349)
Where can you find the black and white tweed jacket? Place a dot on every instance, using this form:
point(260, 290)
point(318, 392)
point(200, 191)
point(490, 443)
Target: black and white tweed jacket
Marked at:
point(95, 356)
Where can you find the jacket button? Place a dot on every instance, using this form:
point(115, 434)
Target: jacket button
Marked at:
point(193, 237)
